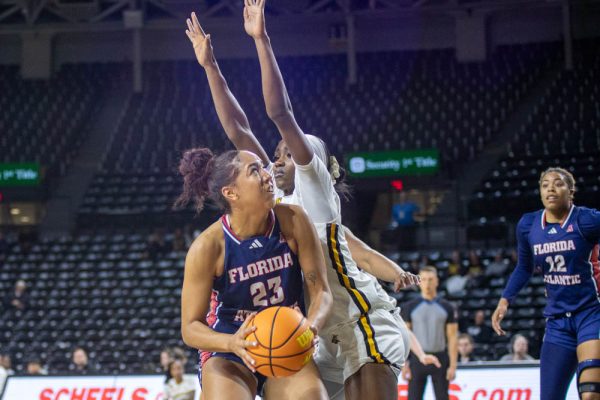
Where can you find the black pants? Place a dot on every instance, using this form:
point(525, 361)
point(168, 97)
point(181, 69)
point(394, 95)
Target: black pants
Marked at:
point(419, 374)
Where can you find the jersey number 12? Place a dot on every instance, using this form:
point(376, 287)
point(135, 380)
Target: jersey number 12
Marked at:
point(258, 290)
point(557, 264)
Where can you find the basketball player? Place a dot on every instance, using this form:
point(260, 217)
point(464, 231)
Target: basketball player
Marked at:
point(254, 257)
point(562, 240)
point(237, 128)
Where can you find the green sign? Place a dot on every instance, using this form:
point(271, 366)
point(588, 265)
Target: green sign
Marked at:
point(22, 174)
point(393, 163)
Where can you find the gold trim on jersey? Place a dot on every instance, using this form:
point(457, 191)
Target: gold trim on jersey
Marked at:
point(361, 301)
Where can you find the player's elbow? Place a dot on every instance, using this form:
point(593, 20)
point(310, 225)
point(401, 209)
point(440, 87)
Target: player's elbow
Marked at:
point(279, 114)
point(185, 333)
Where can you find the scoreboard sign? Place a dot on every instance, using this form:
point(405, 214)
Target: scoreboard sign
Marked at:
point(22, 174)
point(393, 163)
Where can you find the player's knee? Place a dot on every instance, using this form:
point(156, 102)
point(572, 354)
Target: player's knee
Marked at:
point(589, 390)
point(589, 396)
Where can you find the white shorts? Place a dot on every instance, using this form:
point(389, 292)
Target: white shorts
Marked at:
point(381, 336)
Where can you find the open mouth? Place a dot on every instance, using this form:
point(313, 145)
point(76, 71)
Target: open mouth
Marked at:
point(278, 174)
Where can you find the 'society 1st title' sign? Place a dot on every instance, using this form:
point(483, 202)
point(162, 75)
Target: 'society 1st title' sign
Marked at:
point(21, 174)
point(393, 163)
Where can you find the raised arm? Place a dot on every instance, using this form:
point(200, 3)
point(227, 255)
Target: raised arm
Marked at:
point(195, 301)
point(378, 265)
point(277, 102)
point(296, 225)
point(230, 113)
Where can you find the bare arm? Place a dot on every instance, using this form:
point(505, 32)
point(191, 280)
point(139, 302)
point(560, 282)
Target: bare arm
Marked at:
point(377, 264)
point(296, 225)
point(230, 113)
point(452, 337)
point(277, 102)
point(195, 300)
point(424, 358)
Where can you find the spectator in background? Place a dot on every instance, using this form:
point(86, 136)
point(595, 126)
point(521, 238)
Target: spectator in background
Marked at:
point(178, 353)
point(179, 242)
point(35, 367)
point(166, 358)
point(465, 349)
point(519, 349)
point(433, 321)
point(5, 368)
point(177, 385)
point(497, 267)
point(157, 245)
point(403, 219)
point(455, 265)
point(80, 363)
point(17, 299)
point(479, 331)
point(3, 246)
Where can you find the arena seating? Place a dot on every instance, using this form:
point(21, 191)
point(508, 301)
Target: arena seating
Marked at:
point(403, 100)
point(101, 290)
point(45, 121)
point(562, 131)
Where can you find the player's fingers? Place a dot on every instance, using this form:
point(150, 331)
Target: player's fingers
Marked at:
point(189, 35)
point(247, 3)
point(261, 3)
point(250, 343)
point(249, 361)
point(190, 25)
point(197, 25)
point(436, 362)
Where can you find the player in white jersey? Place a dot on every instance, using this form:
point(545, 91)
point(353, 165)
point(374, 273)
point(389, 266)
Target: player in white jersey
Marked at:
point(365, 341)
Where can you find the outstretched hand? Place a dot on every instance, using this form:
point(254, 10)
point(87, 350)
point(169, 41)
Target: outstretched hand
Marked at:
point(200, 41)
point(406, 279)
point(254, 18)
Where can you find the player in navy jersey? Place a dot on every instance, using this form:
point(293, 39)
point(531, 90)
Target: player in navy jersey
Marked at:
point(561, 240)
point(255, 256)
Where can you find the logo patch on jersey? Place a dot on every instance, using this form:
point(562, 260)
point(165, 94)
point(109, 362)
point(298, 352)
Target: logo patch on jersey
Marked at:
point(255, 244)
point(570, 228)
point(552, 231)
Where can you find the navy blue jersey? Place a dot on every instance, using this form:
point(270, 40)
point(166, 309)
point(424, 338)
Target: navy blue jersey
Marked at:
point(259, 272)
point(567, 255)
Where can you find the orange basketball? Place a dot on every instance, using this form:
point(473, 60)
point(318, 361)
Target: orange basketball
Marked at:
point(284, 341)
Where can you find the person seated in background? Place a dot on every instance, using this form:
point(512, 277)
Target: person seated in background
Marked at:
point(479, 331)
point(80, 363)
point(166, 357)
point(497, 267)
point(519, 348)
point(179, 241)
point(465, 349)
point(157, 245)
point(35, 366)
point(17, 299)
point(455, 265)
point(177, 385)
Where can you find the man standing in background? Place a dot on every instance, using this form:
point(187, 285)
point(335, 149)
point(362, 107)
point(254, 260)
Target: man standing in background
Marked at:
point(434, 322)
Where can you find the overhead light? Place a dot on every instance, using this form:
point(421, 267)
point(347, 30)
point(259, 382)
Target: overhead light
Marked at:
point(25, 219)
point(15, 211)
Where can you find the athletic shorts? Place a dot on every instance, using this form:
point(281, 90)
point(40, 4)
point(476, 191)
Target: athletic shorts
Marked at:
point(205, 356)
point(380, 336)
point(572, 329)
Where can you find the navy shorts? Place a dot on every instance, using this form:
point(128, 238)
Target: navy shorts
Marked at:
point(572, 329)
point(205, 356)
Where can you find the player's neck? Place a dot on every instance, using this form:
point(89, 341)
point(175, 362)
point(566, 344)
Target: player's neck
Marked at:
point(429, 296)
point(557, 216)
point(246, 225)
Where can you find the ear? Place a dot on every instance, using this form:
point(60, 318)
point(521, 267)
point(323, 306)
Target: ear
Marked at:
point(230, 193)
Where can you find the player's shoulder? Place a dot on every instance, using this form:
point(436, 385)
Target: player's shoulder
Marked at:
point(587, 213)
point(210, 241)
point(527, 219)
